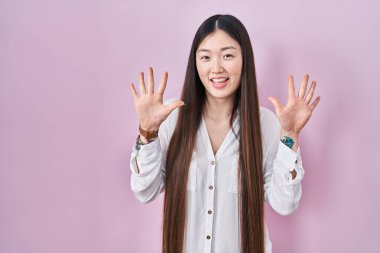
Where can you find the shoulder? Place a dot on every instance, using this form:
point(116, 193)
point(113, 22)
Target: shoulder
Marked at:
point(270, 126)
point(267, 117)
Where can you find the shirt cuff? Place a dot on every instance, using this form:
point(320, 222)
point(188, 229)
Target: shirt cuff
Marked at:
point(290, 160)
point(146, 153)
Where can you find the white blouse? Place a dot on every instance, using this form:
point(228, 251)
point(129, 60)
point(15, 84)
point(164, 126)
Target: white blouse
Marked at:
point(212, 188)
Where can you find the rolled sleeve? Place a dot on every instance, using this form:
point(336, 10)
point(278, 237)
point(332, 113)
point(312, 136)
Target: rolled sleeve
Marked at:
point(148, 163)
point(288, 160)
point(281, 191)
point(141, 159)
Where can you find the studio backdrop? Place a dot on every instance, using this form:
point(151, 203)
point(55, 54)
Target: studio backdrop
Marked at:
point(68, 122)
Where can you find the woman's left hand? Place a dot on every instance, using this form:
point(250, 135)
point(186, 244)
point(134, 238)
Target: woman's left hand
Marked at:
point(294, 116)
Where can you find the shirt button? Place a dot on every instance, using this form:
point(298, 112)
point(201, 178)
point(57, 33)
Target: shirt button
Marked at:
point(212, 162)
point(208, 237)
point(209, 212)
point(210, 187)
point(296, 161)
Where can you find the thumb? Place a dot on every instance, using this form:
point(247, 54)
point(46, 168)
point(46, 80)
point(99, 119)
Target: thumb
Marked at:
point(174, 105)
point(276, 103)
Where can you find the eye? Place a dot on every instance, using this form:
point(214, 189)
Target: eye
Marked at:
point(228, 56)
point(205, 57)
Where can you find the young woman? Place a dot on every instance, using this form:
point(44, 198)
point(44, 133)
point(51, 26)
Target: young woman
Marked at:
point(216, 153)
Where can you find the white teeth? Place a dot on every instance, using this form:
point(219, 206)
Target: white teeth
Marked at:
point(219, 80)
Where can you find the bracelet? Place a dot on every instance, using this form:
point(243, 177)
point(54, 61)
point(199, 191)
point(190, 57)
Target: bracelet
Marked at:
point(288, 141)
point(148, 135)
point(139, 143)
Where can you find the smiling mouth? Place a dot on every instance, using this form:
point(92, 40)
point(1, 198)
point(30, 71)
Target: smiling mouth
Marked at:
point(219, 80)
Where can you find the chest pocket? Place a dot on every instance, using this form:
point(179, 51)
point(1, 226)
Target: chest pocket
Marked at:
point(234, 182)
point(192, 178)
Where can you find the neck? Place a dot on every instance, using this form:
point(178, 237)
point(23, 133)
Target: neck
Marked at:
point(218, 109)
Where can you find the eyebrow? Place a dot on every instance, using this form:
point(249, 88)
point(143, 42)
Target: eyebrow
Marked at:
point(222, 49)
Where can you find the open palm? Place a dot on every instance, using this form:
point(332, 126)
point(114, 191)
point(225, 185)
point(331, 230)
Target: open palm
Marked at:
point(150, 109)
point(298, 110)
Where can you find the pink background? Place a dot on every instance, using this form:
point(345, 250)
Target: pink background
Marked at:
point(68, 123)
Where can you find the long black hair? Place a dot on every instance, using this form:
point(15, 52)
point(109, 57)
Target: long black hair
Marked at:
point(183, 141)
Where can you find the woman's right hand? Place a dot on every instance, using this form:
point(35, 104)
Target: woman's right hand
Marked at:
point(150, 109)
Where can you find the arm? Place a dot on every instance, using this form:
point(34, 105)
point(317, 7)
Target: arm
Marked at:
point(282, 189)
point(148, 169)
point(283, 166)
point(148, 163)
point(294, 147)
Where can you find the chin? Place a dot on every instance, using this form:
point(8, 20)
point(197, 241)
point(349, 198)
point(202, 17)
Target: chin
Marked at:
point(220, 94)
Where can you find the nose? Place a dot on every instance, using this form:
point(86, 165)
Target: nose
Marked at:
point(217, 67)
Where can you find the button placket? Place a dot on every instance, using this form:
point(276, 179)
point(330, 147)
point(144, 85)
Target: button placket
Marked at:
point(210, 203)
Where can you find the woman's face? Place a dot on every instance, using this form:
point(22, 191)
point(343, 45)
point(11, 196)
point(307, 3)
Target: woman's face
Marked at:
point(219, 63)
